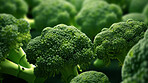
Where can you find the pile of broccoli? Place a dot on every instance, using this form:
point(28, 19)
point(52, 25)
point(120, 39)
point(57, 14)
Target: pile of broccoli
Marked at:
point(74, 41)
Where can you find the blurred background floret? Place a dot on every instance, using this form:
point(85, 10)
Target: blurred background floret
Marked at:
point(17, 8)
point(97, 14)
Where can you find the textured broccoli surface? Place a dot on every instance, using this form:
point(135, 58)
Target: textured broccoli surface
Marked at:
point(59, 49)
point(135, 68)
point(90, 77)
point(96, 15)
point(137, 5)
point(52, 12)
point(18, 8)
point(115, 42)
point(134, 16)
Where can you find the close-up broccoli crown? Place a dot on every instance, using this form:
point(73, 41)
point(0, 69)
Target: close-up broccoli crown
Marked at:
point(90, 77)
point(13, 33)
point(136, 63)
point(18, 8)
point(52, 12)
point(62, 46)
point(115, 42)
point(96, 15)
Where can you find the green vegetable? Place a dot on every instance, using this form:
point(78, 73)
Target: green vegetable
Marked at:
point(135, 68)
point(96, 15)
point(115, 42)
point(90, 77)
point(134, 16)
point(59, 50)
point(18, 8)
point(52, 12)
point(145, 12)
point(13, 34)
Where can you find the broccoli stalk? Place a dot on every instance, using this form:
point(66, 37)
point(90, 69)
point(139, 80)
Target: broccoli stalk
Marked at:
point(11, 68)
point(19, 57)
point(68, 73)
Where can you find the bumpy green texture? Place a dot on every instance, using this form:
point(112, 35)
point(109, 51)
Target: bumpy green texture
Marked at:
point(134, 16)
point(59, 49)
point(17, 8)
point(115, 42)
point(96, 15)
point(52, 12)
point(90, 77)
point(136, 63)
point(137, 5)
point(13, 34)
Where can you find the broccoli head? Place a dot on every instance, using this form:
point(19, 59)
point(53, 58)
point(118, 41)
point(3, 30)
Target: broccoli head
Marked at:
point(52, 12)
point(59, 50)
point(135, 66)
point(18, 8)
point(90, 77)
point(14, 33)
point(137, 5)
point(95, 15)
point(116, 41)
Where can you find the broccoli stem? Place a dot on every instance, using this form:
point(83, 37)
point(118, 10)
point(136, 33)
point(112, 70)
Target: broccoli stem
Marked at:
point(19, 57)
point(68, 73)
point(8, 67)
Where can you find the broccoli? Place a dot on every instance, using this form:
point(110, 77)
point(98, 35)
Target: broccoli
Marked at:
point(59, 50)
point(18, 8)
point(13, 34)
point(134, 16)
point(116, 41)
point(90, 77)
point(95, 15)
point(52, 12)
point(135, 67)
point(137, 5)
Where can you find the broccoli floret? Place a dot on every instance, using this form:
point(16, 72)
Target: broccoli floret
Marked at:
point(137, 5)
point(13, 34)
point(52, 12)
point(96, 15)
point(90, 77)
point(59, 50)
point(115, 42)
point(134, 16)
point(18, 8)
point(135, 66)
